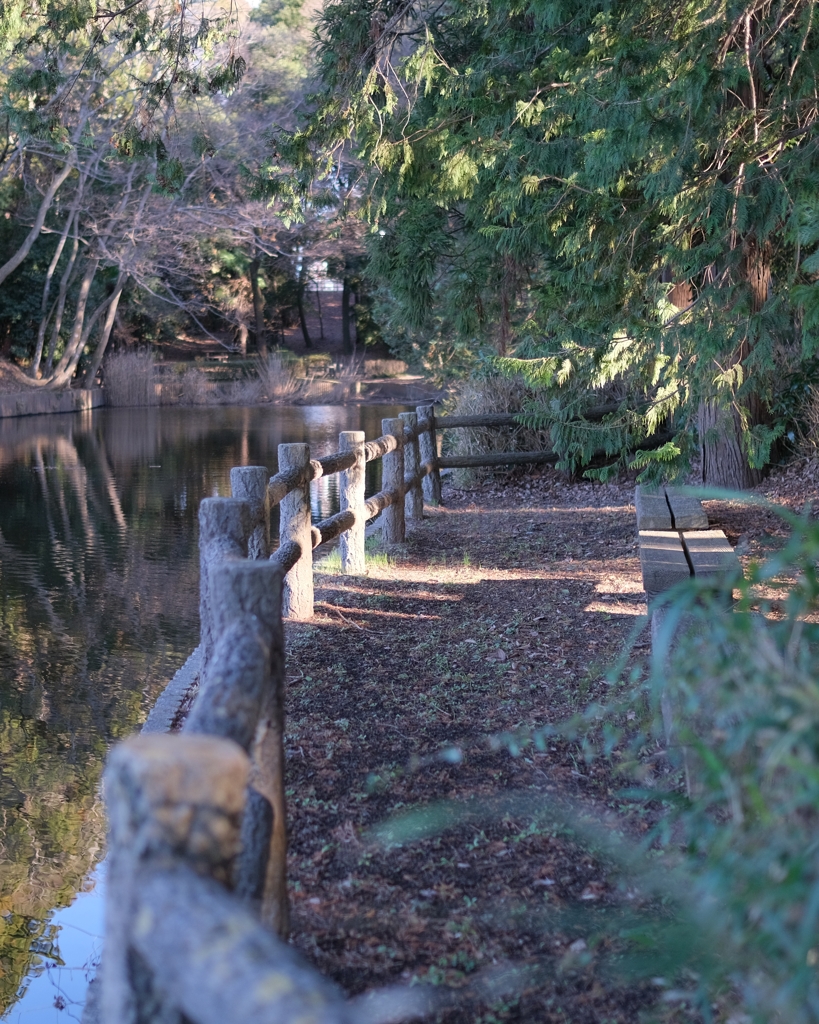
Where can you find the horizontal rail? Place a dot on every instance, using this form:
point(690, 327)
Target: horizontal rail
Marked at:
point(378, 502)
point(511, 419)
point(379, 447)
point(496, 459)
point(336, 463)
point(283, 483)
point(286, 556)
point(329, 529)
point(192, 930)
point(493, 419)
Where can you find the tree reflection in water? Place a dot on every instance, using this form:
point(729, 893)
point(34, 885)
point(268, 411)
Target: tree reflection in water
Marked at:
point(98, 607)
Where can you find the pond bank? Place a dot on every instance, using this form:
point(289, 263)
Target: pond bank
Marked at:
point(398, 392)
point(46, 403)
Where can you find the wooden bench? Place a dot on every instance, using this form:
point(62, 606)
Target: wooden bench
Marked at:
point(668, 509)
point(676, 543)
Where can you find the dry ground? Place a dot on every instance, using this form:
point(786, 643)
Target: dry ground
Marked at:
point(500, 613)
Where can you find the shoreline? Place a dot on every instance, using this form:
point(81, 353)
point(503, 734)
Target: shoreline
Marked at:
point(15, 404)
point(48, 403)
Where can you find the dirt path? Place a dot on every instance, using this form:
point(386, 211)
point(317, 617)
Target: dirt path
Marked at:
point(500, 614)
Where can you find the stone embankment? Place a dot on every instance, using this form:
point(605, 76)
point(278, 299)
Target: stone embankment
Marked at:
point(43, 403)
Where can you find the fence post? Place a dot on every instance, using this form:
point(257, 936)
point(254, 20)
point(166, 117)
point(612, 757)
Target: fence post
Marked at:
point(295, 524)
point(351, 496)
point(167, 798)
point(414, 499)
point(224, 525)
point(242, 589)
point(242, 698)
point(392, 479)
point(249, 483)
point(429, 456)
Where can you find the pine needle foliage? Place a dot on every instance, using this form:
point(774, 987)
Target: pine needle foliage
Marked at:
point(623, 188)
point(60, 57)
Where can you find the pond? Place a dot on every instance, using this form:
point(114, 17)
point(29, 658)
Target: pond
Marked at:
point(99, 591)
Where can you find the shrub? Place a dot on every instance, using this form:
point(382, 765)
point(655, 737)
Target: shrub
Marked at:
point(130, 379)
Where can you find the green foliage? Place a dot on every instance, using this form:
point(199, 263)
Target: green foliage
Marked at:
point(542, 173)
point(286, 13)
point(746, 734)
point(57, 50)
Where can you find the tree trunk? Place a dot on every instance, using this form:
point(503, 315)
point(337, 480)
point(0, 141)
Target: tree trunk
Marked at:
point(65, 281)
point(756, 268)
point(724, 463)
point(44, 318)
point(300, 299)
point(346, 338)
point(277, 337)
point(258, 307)
point(66, 365)
point(320, 316)
point(105, 334)
point(243, 332)
point(11, 265)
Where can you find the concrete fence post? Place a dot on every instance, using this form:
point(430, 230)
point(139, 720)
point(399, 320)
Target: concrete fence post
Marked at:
point(414, 499)
point(392, 479)
point(242, 698)
point(351, 498)
point(295, 525)
point(249, 483)
point(224, 526)
point(429, 456)
point(168, 799)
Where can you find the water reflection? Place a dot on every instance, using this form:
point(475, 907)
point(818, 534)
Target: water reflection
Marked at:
point(98, 607)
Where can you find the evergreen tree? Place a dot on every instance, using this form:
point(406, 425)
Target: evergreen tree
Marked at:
point(623, 192)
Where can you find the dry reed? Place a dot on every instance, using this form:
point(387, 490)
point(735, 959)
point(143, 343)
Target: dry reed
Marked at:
point(278, 379)
point(248, 391)
point(130, 379)
point(194, 388)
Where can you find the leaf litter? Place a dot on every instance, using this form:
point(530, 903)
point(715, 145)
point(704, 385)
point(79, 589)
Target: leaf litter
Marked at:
point(500, 613)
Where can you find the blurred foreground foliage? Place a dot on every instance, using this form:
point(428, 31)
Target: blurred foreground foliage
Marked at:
point(716, 739)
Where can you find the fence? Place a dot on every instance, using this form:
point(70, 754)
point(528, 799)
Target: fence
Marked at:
point(411, 475)
point(197, 910)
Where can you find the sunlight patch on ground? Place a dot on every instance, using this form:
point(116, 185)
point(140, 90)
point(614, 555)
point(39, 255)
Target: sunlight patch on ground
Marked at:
point(616, 608)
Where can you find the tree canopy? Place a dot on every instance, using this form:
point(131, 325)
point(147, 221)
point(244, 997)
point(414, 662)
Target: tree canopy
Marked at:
point(623, 193)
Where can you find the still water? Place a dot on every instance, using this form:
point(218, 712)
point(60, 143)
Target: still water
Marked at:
point(99, 583)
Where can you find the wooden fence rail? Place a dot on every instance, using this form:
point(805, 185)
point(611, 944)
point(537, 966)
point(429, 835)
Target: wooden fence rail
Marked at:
point(411, 468)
